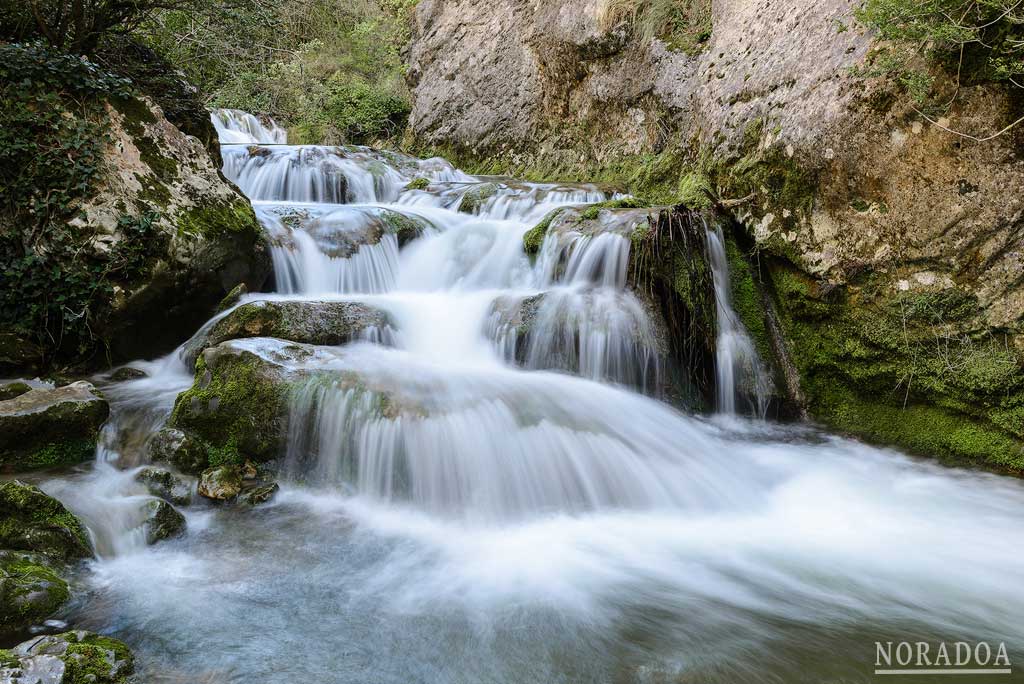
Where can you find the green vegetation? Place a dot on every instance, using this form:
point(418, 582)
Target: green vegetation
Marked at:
point(53, 126)
point(534, 238)
point(978, 40)
point(328, 70)
point(684, 25)
point(904, 368)
point(96, 659)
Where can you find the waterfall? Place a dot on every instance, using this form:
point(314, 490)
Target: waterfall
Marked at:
point(738, 367)
point(488, 490)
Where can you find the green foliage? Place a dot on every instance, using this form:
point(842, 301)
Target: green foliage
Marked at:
point(53, 125)
point(684, 25)
point(981, 40)
point(328, 70)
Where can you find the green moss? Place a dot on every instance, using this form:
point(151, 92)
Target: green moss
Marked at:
point(695, 190)
point(421, 183)
point(534, 238)
point(162, 164)
point(476, 196)
point(30, 591)
point(234, 407)
point(593, 210)
point(8, 659)
point(58, 454)
point(746, 300)
point(405, 228)
point(11, 390)
point(897, 368)
point(88, 660)
point(213, 219)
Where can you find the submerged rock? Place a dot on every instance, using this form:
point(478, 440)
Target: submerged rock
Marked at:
point(127, 373)
point(326, 323)
point(30, 590)
point(32, 521)
point(162, 521)
point(50, 426)
point(222, 483)
point(476, 196)
point(166, 485)
point(70, 658)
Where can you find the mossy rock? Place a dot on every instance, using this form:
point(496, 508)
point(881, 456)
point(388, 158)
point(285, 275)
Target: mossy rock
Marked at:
point(223, 483)
point(32, 521)
point(165, 485)
point(404, 228)
point(30, 590)
point(162, 522)
point(421, 183)
point(475, 197)
point(324, 323)
point(238, 405)
point(184, 450)
point(71, 658)
point(46, 427)
point(233, 297)
point(903, 369)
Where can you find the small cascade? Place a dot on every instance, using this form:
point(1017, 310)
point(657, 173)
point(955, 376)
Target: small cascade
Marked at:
point(237, 127)
point(740, 372)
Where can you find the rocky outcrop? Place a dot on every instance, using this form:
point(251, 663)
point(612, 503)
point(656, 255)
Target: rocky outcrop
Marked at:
point(888, 245)
point(323, 323)
point(70, 658)
point(50, 426)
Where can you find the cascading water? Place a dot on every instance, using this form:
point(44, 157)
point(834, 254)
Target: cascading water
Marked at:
point(738, 367)
point(484, 497)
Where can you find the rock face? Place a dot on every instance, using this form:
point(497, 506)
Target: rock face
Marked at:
point(46, 427)
point(69, 658)
point(32, 521)
point(324, 323)
point(867, 219)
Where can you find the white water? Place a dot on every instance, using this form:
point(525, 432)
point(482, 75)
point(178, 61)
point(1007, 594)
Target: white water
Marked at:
point(452, 517)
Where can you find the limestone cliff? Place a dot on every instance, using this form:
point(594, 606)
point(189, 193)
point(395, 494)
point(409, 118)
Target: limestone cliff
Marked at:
point(890, 246)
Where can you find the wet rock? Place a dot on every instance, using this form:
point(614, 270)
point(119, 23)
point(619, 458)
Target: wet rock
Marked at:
point(223, 483)
point(30, 590)
point(50, 426)
point(233, 297)
point(10, 390)
point(70, 658)
point(259, 494)
point(162, 521)
point(127, 373)
point(180, 448)
point(325, 323)
point(32, 521)
point(238, 405)
point(476, 196)
point(166, 485)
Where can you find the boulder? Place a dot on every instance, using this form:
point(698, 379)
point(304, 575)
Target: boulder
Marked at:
point(326, 323)
point(475, 197)
point(222, 483)
point(162, 521)
point(181, 449)
point(32, 521)
point(70, 658)
point(50, 426)
point(30, 590)
point(126, 373)
point(165, 485)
